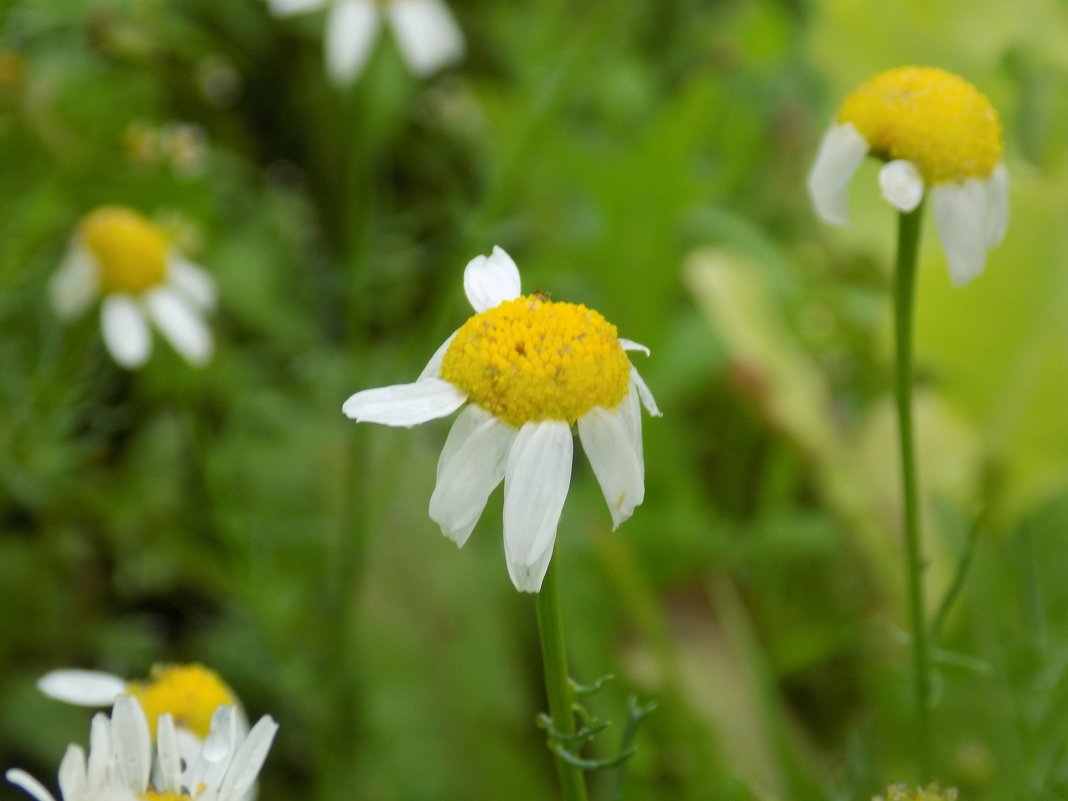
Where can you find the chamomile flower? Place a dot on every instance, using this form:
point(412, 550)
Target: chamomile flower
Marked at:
point(936, 132)
point(426, 33)
point(123, 765)
point(526, 369)
point(127, 261)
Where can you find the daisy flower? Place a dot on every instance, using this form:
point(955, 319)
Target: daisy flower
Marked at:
point(526, 369)
point(426, 33)
point(121, 257)
point(935, 131)
point(122, 764)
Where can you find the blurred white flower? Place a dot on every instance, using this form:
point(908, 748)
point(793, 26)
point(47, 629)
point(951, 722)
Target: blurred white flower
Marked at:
point(426, 33)
point(528, 369)
point(127, 261)
point(122, 765)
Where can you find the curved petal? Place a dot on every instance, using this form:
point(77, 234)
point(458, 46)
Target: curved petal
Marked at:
point(82, 687)
point(125, 331)
point(470, 468)
point(169, 755)
point(433, 367)
point(606, 437)
point(75, 285)
point(427, 34)
point(181, 325)
point(350, 37)
point(997, 206)
point(840, 153)
point(131, 743)
point(960, 213)
point(637, 383)
point(193, 281)
point(489, 281)
point(283, 8)
point(628, 344)
point(537, 477)
point(25, 781)
point(246, 764)
point(72, 772)
point(405, 404)
point(902, 184)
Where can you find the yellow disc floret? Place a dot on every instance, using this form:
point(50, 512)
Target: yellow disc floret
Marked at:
point(190, 693)
point(152, 795)
point(129, 250)
point(531, 359)
point(939, 122)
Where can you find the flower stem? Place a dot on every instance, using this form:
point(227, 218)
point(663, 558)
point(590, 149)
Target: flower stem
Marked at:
point(557, 683)
point(908, 240)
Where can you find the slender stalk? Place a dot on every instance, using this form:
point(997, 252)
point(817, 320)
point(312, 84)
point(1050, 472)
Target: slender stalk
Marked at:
point(908, 240)
point(557, 683)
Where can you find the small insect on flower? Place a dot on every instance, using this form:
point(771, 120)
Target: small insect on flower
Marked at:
point(118, 255)
point(935, 131)
point(528, 369)
point(426, 33)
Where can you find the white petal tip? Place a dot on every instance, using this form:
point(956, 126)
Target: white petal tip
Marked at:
point(901, 184)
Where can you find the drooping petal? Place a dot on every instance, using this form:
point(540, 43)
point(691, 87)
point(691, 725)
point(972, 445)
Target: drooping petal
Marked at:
point(72, 772)
point(405, 404)
point(283, 8)
point(631, 412)
point(82, 687)
point(960, 213)
point(169, 754)
point(537, 477)
point(902, 184)
point(75, 284)
point(350, 36)
point(489, 281)
point(628, 344)
point(193, 281)
point(246, 764)
point(471, 466)
point(125, 330)
point(607, 442)
point(997, 206)
point(433, 367)
point(131, 743)
point(644, 393)
point(840, 153)
point(427, 34)
point(181, 324)
point(25, 781)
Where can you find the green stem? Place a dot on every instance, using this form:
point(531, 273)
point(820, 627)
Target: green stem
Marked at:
point(904, 289)
point(557, 683)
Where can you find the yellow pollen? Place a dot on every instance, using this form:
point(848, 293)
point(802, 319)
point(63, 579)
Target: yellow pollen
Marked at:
point(532, 359)
point(130, 251)
point(936, 120)
point(152, 795)
point(190, 693)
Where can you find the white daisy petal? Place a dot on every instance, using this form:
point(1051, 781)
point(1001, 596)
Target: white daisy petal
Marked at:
point(841, 152)
point(181, 325)
point(283, 8)
point(131, 743)
point(211, 763)
point(99, 760)
point(82, 687)
point(246, 764)
point(72, 772)
point(193, 281)
point(169, 754)
point(607, 442)
point(537, 477)
point(630, 345)
point(405, 404)
point(902, 184)
point(489, 281)
point(350, 37)
point(427, 34)
point(997, 206)
point(960, 213)
point(644, 393)
point(75, 284)
point(433, 367)
point(25, 781)
point(471, 466)
point(125, 330)
point(631, 411)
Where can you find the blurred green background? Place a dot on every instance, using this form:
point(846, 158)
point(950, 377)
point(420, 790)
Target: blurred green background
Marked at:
point(646, 158)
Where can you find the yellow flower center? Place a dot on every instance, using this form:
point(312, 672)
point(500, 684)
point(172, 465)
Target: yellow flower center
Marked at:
point(130, 252)
point(532, 359)
point(939, 122)
point(190, 693)
point(152, 795)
